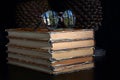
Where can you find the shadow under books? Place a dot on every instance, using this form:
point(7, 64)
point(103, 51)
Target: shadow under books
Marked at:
point(20, 73)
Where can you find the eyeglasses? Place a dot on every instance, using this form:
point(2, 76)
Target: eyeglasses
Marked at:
point(55, 20)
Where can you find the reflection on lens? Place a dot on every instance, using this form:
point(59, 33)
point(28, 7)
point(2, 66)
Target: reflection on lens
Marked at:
point(69, 18)
point(50, 18)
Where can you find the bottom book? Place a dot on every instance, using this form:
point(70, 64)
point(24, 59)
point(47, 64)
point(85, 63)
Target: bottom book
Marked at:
point(50, 70)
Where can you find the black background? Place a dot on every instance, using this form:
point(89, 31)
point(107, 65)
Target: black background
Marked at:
point(107, 37)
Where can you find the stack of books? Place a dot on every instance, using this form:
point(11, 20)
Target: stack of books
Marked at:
point(53, 52)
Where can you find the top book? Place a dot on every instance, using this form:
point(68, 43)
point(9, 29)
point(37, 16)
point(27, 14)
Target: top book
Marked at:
point(57, 35)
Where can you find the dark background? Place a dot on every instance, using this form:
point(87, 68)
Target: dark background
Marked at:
point(107, 37)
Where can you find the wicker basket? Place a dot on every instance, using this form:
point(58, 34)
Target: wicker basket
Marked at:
point(88, 12)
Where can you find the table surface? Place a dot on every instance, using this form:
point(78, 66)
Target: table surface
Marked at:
point(20, 73)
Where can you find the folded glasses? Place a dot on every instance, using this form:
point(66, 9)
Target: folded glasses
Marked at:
point(55, 20)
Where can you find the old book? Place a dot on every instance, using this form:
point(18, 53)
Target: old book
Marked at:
point(50, 61)
point(51, 70)
point(52, 45)
point(52, 35)
point(52, 55)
